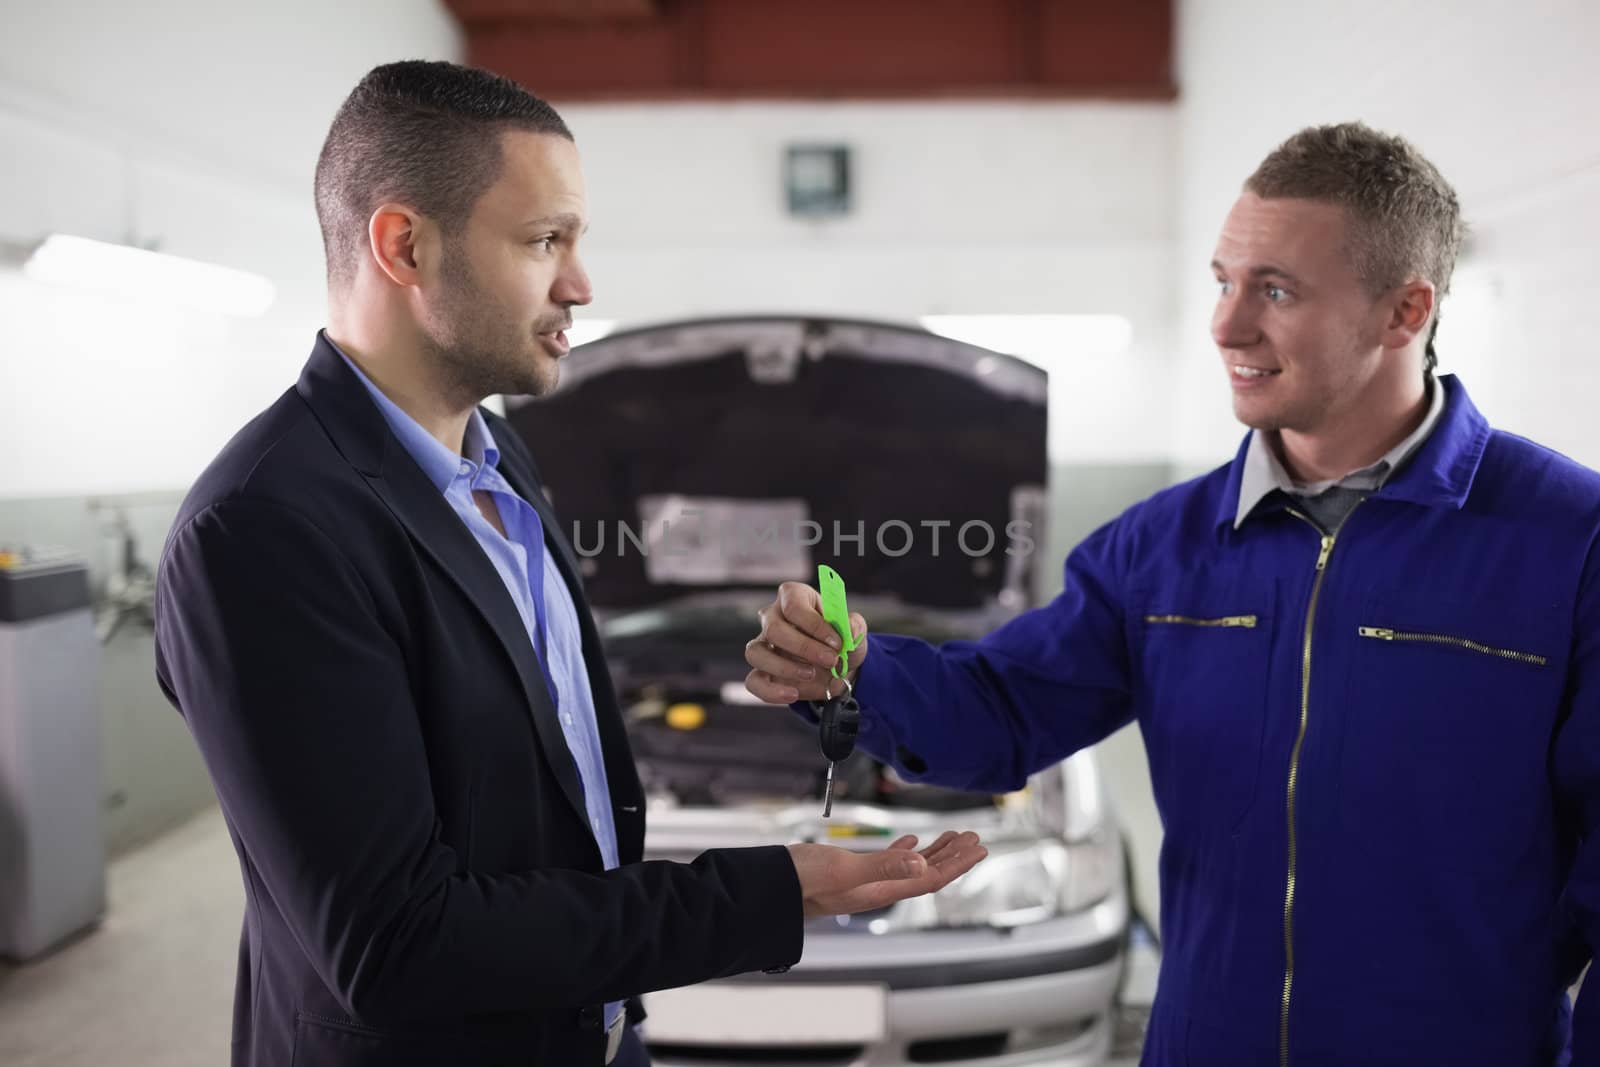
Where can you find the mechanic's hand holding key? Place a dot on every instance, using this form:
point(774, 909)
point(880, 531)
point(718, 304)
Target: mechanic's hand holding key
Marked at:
point(838, 715)
point(792, 657)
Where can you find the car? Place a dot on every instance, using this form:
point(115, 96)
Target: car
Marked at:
point(685, 456)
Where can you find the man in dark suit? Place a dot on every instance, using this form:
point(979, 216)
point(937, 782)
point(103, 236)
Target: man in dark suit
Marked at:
point(376, 632)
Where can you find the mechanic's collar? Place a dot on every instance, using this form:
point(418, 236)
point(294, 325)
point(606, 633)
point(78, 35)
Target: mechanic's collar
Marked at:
point(1439, 475)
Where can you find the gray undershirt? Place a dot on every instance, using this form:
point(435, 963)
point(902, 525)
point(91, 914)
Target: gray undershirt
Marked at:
point(1328, 503)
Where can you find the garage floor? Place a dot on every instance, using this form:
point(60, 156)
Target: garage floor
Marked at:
point(154, 984)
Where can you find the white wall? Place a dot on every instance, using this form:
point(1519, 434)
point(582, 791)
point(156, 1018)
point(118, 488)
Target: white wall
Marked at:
point(114, 127)
point(1499, 96)
point(960, 208)
point(196, 125)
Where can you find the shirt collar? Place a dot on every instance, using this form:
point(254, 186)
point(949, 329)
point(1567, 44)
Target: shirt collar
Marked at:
point(438, 463)
point(1263, 473)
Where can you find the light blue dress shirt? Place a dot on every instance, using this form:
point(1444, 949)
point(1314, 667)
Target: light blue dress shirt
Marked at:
point(542, 598)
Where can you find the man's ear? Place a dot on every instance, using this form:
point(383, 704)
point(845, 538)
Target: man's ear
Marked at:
point(1410, 306)
point(394, 233)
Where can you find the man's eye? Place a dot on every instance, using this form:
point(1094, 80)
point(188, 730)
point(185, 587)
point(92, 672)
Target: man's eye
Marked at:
point(1275, 293)
point(547, 243)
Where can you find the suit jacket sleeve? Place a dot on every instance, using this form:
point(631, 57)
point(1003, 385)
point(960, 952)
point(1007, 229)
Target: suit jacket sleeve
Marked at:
point(270, 642)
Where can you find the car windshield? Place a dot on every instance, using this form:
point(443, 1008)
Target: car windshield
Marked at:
point(701, 740)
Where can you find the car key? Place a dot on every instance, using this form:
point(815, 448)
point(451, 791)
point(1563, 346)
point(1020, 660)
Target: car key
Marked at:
point(839, 718)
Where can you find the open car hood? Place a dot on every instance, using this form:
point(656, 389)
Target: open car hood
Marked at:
point(700, 739)
point(700, 456)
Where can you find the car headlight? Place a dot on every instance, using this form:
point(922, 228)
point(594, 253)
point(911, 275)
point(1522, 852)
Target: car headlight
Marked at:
point(1094, 866)
point(1010, 888)
point(1017, 885)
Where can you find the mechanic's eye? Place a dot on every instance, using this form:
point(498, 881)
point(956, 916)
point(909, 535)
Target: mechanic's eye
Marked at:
point(1274, 293)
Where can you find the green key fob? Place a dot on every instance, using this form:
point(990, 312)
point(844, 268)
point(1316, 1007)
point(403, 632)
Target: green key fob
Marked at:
point(837, 613)
point(839, 718)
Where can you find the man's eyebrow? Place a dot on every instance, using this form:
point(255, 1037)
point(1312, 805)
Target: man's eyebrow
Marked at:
point(1265, 270)
point(564, 221)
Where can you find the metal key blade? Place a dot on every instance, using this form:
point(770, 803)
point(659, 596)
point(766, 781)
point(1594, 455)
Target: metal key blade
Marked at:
point(827, 793)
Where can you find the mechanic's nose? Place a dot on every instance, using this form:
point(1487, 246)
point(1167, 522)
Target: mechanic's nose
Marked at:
point(1233, 323)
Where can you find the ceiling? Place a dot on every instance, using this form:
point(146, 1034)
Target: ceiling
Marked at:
point(809, 49)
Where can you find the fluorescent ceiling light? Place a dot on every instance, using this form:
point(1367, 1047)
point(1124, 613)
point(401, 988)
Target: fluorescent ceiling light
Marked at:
point(582, 331)
point(1039, 339)
point(153, 276)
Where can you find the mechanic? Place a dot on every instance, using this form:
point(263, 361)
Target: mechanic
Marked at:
point(1364, 657)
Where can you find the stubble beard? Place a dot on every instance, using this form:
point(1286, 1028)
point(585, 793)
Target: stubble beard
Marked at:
point(478, 352)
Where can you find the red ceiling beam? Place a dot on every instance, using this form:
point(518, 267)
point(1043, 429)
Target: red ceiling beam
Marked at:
point(828, 48)
point(468, 11)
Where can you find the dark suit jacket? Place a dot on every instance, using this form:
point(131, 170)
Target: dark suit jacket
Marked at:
point(421, 883)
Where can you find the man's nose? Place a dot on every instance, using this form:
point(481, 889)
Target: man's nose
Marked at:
point(1233, 323)
point(572, 286)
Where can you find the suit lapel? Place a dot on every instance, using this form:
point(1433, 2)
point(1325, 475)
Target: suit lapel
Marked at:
point(627, 794)
point(358, 429)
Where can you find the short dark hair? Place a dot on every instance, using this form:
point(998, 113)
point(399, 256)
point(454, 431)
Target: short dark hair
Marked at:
point(426, 134)
point(1405, 218)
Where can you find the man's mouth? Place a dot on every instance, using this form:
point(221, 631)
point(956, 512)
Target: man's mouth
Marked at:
point(1250, 373)
point(556, 342)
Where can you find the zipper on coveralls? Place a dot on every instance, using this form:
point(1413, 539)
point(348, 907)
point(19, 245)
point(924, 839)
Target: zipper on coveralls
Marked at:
point(1294, 776)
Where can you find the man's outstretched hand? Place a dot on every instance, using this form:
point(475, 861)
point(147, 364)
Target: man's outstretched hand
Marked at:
point(836, 881)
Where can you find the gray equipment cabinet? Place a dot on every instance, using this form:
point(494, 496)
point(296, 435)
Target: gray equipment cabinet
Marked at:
point(52, 852)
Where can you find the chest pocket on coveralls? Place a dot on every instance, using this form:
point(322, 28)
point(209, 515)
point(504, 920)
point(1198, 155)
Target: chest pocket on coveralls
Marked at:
point(1202, 645)
point(1449, 713)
